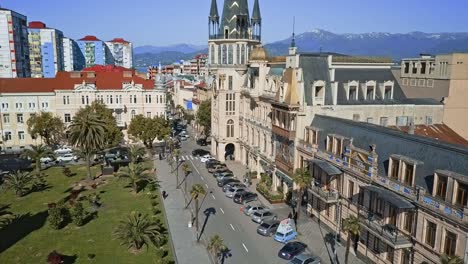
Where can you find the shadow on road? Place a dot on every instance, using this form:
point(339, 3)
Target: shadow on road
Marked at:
point(207, 213)
point(225, 254)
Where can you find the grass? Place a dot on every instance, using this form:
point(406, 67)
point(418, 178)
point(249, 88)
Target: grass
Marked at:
point(31, 239)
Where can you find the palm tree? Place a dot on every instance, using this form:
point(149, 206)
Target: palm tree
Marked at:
point(136, 152)
point(139, 230)
point(36, 153)
point(176, 154)
point(135, 173)
point(5, 216)
point(352, 227)
point(186, 169)
point(196, 193)
point(302, 179)
point(87, 131)
point(216, 246)
point(18, 181)
point(445, 259)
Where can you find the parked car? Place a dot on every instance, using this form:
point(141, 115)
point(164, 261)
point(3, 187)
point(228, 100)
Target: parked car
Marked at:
point(67, 158)
point(218, 168)
point(291, 249)
point(233, 184)
point(225, 176)
point(183, 138)
point(225, 181)
point(262, 216)
point(212, 163)
point(201, 142)
point(206, 158)
point(268, 228)
point(245, 197)
point(46, 160)
point(200, 152)
point(63, 150)
point(233, 191)
point(222, 173)
point(235, 181)
point(305, 258)
point(250, 209)
point(286, 231)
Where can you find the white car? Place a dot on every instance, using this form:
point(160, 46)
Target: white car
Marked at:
point(63, 150)
point(67, 158)
point(206, 158)
point(46, 160)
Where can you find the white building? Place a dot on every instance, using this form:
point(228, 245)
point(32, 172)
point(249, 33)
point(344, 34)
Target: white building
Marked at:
point(121, 52)
point(72, 56)
point(14, 52)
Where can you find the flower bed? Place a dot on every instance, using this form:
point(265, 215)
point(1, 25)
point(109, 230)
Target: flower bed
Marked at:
point(271, 197)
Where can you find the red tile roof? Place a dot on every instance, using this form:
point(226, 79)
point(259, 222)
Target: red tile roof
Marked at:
point(439, 132)
point(36, 24)
point(119, 40)
point(106, 68)
point(90, 38)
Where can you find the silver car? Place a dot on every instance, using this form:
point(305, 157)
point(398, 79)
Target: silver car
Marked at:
point(227, 176)
point(268, 228)
point(234, 184)
point(262, 216)
point(233, 190)
point(250, 209)
point(305, 258)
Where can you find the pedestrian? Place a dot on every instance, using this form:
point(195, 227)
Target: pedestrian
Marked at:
point(295, 218)
point(164, 195)
point(290, 215)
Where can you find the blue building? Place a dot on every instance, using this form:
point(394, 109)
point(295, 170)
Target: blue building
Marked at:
point(94, 51)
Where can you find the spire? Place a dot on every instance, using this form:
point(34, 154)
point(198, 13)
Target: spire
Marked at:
point(293, 41)
point(235, 20)
point(256, 16)
point(214, 16)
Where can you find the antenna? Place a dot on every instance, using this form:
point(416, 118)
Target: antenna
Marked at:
point(293, 41)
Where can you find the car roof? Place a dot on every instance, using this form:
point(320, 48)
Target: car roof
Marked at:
point(305, 256)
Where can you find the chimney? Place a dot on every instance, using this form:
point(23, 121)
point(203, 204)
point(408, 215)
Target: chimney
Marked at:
point(411, 128)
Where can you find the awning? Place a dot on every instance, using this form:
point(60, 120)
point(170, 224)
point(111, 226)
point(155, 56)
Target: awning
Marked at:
point(389, 197)
point(285, 177)
point(327, 167)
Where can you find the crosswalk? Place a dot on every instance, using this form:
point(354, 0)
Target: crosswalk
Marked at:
point(187, 157)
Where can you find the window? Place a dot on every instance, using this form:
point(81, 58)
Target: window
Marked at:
point(415, 68)
point(370, 120)
point(314, 135)
point(224, 54)
point(388, 92)
point(430, 83)
point(32, 105)
point(67, 118)
point(230, 129)
point(376, 245)
point(5, 106)
point(462, 194)
point(19, 105)
point(66, 100)
point(450, 243)
point(46, 104)
point(428, 120)
point(423, 67)
point(19, 118)
point(148, 114)
point(230, 82)
point(413, 82)
point(384, 121)
point(83, 99)
point(441, 189)
point(6, 118)
point(134, 99)
point(329, 143)
point(350, 189)
point(21, 135)
point(402, 121)
point(431, 229)
point(392, 215)
point(390, 253)
point(408, 224)
point(230, 55)
point(230, 104)
point(421, 82)
point(352, 93)
point(406, 67)
point(394, 169)
point(405, 257)
point(370, 93)
point(7, 135)
point(111, 101)
point(408, 174)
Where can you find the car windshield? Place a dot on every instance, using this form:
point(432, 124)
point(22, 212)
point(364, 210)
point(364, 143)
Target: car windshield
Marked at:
point(231, 190)
point(265, 225)
point(258, 214)
point(279, 234)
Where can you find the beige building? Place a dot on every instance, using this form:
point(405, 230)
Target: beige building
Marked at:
point(120, 89)
point(443, 78)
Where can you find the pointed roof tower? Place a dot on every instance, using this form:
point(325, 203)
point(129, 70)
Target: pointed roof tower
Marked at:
point(256, 16)
point(214, 16)
point(235, 17)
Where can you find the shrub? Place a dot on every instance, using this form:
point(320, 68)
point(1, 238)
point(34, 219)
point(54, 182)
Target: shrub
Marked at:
point(67, 172)
point(56, 217)
point(78, 214)
point(54, 258)
point(280, 189)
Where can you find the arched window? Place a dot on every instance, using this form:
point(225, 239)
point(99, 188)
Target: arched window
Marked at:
point(224, 55)
point(230, 55)
point(212, 54)
point(230, 128)
point(133, 113)
point(242, 61)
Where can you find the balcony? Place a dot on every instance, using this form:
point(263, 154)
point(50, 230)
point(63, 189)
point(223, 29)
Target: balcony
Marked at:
point(386, 232)
point(306, 147)
point(291, 135)
point(324, 195)
point(456, 213)
point(120, 123)
point(284, 166)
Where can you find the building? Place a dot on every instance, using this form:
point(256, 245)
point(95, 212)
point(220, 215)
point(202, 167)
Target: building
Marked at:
point(94, 51)
point(443, 78)
point(46, 51)
point(121, 52)
point(14, 51)
point(72, 57)
point(119, 88)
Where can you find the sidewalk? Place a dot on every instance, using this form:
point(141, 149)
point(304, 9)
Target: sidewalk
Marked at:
point(187, 250)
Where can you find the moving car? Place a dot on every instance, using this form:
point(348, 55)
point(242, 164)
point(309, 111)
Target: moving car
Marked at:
point(262, 216)
point(286, 231)
point(67, 158)
point(233, 191)
point(291, 249)
point(250, 209)
point(225, 181)
point(305, 258)
point(267, 228)
point(245, 197)
point(200, 152)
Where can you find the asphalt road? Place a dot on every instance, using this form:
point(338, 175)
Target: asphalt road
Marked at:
point(223, 217)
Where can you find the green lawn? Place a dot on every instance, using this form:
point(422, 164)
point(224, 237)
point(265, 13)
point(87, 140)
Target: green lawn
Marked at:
point(30, 239)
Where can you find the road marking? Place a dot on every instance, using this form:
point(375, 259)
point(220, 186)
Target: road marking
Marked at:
point(182, 157)
point(174, 159)
point(221, 210)
point(214, 198)
point(202, 178)
point(206, 185)
point(190, 157)
point(245, 247)
point(195, 167)
point(232, 227)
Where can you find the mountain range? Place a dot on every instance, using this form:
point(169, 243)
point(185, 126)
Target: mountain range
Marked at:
point(395, 46)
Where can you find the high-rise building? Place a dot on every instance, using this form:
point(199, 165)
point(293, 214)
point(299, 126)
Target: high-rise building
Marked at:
point(45, 50)
point(72, 56)
point(121, 52)
point(14, 52)
point(94, 51)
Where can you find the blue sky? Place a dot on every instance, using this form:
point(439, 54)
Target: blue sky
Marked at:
point(162, 22)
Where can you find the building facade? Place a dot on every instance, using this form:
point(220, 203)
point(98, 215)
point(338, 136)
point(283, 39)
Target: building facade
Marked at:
point(46, 51)
point(121, 52)
point(94, 51)
point(73, 59)
point(443, 78)
point(14, 51)
point(120, 89)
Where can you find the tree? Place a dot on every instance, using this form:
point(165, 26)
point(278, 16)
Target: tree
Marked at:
point(36, 153)
point(78, 214)
point(135, 174)
point(5, 216)
point(351, 227)
point(180, 110)
point(113, 133)
point(47, 126)
point(189, 117)
point(302, 179)
point(186, 169)
point(87, 131)
point(216, 247)
point(204, 117)
point(444, 259)
point(139, 230)
point(136, 153)
point(18, 182)
point(148, 129)
point(196, 193)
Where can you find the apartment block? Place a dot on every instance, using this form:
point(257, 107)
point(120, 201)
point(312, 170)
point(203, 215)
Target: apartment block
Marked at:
point(94, 51)
point(72, 57)
point(120, 52)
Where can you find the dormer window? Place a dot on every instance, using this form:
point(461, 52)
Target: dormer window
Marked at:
point(352, 95)
point(335, 144)
point(462, 195)
point(441, 187)
point(370, 92)
point(408, 174)
point(403, 169)
point(394, 169)
point(388, 92)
